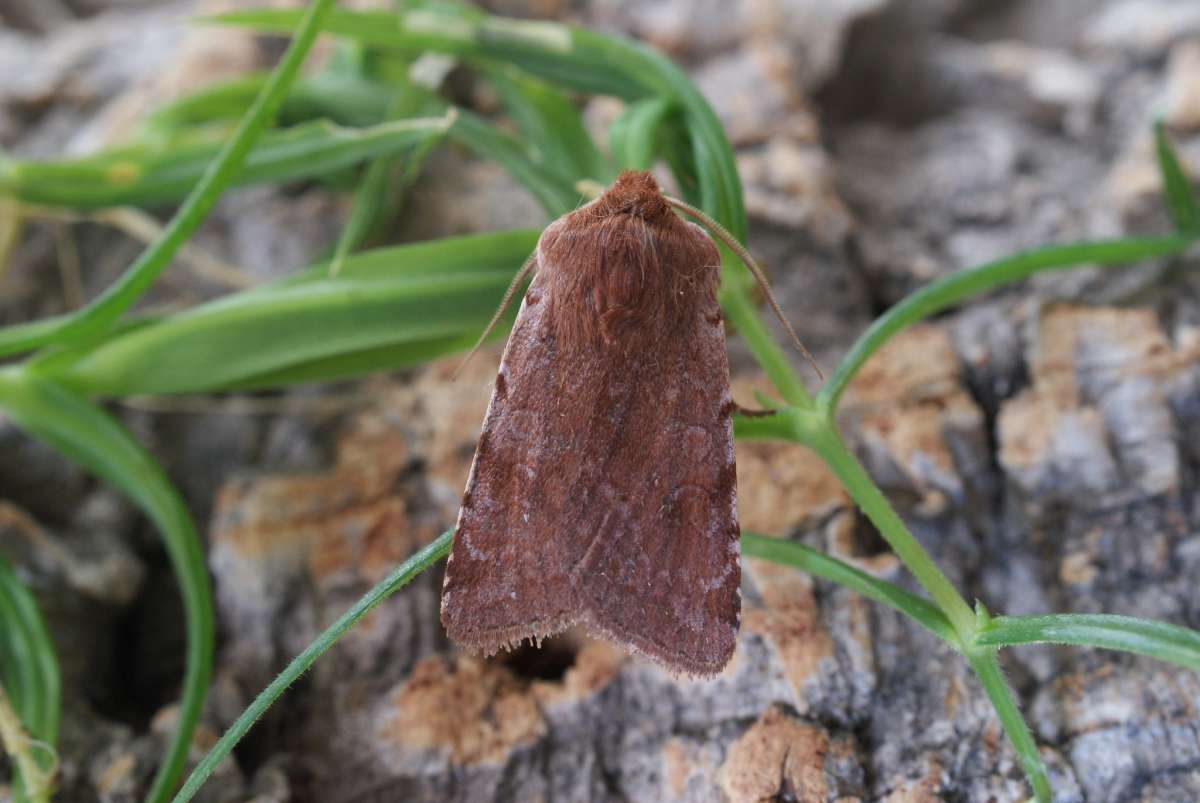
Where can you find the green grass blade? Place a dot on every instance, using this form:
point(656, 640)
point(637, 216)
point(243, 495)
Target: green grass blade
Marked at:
point(634, 136)
point(949, 290)
point(223, 101)
point(386, 181)
point(400, 577)
point(790, 553)
point(573, 57)
point(556, 193)
point(1181, 201)
point(552, 124)
point(32, 686)
point(370, 360)
point(1166, 642)
point(467, 253)
point(336, 95)
point(239, 339)
point(402, 303)
point(996, 687)
point(148, 176)
point(27, 660)
point(104, 311)
point(377, 197)
point(92, 438)
point(542, 48)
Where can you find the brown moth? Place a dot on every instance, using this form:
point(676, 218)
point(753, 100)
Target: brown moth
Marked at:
point(603, 487)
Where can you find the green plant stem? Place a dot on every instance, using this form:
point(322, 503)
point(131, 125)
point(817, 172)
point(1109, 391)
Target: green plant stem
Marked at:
point(821, 436)
point(400, 576)
point(994, 685)
point(735, 301)
point(102, 312)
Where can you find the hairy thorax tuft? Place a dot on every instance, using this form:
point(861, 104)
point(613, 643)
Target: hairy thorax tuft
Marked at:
point(625, 266)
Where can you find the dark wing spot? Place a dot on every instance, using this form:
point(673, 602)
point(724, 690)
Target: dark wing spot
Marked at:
point(501, 384)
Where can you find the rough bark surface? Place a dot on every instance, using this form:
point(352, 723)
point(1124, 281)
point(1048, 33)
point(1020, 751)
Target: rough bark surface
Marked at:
point(1043, 442)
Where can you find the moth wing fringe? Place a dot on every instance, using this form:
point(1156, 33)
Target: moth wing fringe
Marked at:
point(676, 667)
point(512, 637)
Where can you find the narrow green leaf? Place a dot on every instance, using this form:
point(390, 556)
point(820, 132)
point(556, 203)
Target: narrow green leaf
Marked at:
point(338, 97)
point(311, 327)
point(87, 435)
point(574, 57)
point(235, 340)
point(468, 253)
point(820, 435)
point(31, 685)
point(146, 176)
point(796, 555)
point(542, 48)
point(103, 312)
point(382, 189)
point(556, 193)
point(401, 576)
point(1166, 642)
point(589, 62)
point(377, 196)
point(221, 102)
point(634, 136)
point(369, 360)
point(551, 124)
point(949, 290)
point(1181, 201)
point(28, 664)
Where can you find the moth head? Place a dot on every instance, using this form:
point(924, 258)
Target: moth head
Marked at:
point(634, 193)
point(625, 266)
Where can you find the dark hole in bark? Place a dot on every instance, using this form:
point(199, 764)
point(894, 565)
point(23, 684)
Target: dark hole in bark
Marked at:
point(867, 541)
point(547, 662)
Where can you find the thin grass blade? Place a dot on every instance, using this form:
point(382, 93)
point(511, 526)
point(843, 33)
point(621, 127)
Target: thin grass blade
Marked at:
point(404, 304)
point(552, 124)
point(104, 311)
point(31, 681)
point(1166, 642)
point(556, 193)
point(634, 136)
point(806, 559)
point(400, 577)
point(90, 437)
point(149, 176)
point(950, 290)
point(1177, 189)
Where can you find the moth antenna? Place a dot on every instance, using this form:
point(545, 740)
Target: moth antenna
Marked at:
point(508, 297)
point(730, 242)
